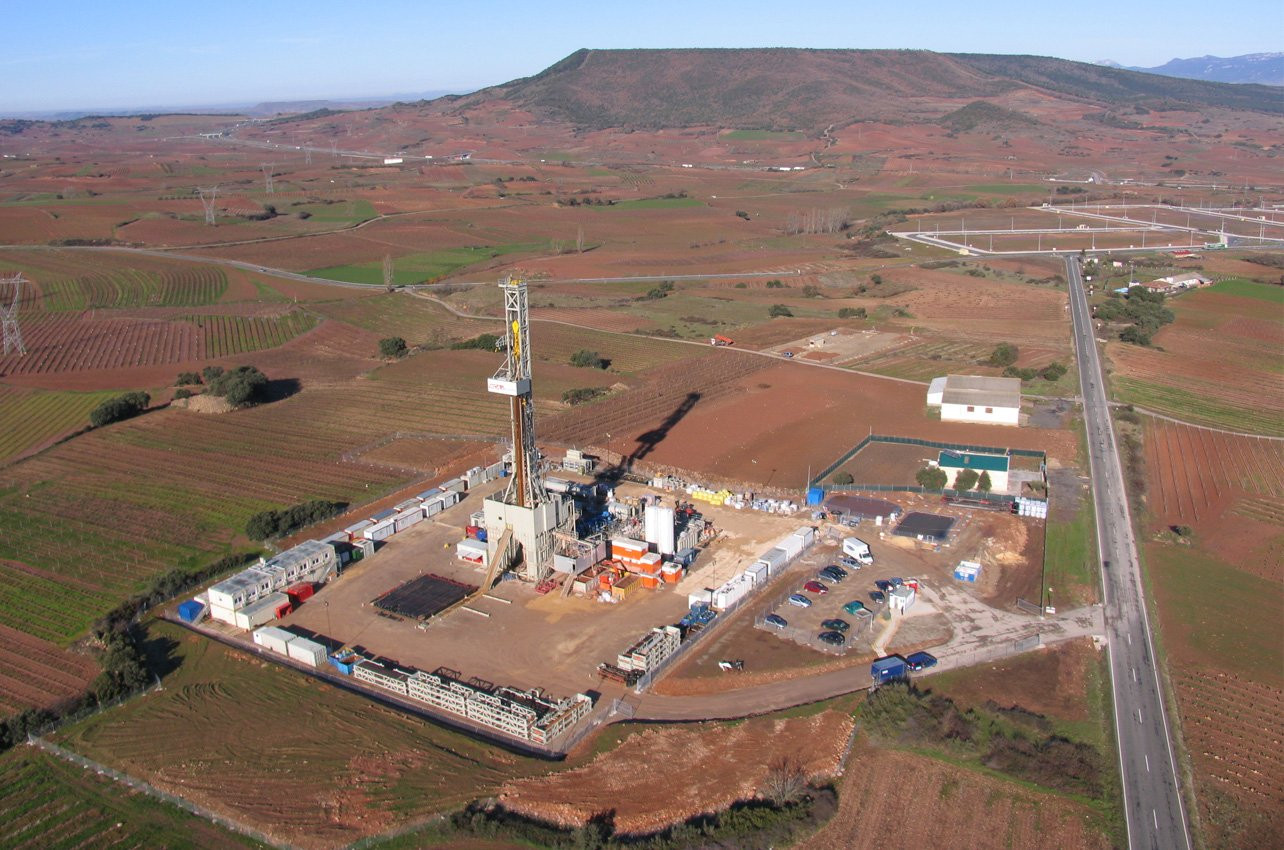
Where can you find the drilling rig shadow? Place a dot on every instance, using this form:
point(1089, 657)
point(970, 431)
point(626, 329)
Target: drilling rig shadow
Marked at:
point(647, 443)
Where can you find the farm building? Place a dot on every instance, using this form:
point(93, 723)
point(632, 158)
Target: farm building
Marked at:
point(976, 398)
point(1178, 282)
point(952, 463)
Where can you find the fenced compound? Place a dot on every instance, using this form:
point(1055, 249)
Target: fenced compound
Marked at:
point(862, 625)
point(818, 481)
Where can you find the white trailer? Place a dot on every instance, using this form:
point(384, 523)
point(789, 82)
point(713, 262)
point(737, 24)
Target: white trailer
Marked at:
point(309, 652)
point(274, 638)
point(856, 548)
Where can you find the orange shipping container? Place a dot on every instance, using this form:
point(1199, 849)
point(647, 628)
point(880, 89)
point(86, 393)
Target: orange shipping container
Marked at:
point(650, 582)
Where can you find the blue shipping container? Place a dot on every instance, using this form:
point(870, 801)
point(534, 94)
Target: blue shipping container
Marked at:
point(887, 669)
point(815, 495)
point(190, 611)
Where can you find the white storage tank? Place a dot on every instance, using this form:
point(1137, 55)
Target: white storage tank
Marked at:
point(274, 638)
point(309, 652)
point(666, 531)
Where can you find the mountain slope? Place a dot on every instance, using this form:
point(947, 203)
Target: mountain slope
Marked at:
point(1261, 68)
point(788, 88)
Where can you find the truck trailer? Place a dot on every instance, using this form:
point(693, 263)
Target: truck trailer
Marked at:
point(858, 549)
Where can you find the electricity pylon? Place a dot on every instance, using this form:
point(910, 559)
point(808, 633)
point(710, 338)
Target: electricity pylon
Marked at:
point(207, 201)
point(9, 317)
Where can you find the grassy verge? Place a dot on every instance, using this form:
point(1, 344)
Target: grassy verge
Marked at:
point(1070, 558)
point(418, 268)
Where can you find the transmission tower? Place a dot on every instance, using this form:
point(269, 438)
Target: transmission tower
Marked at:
point(9, 317)
point(267, 176)
point(207, 201)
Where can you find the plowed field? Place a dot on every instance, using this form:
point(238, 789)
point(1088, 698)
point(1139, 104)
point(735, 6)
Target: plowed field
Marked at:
point(1196, 473)
point(37, 674)
point(893, 800)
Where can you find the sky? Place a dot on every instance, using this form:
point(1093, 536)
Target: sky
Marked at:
point(71, 54)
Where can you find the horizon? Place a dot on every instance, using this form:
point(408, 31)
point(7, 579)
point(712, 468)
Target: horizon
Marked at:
point(149, 57)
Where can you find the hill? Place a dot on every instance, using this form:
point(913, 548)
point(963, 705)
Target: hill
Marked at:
point(799, 89)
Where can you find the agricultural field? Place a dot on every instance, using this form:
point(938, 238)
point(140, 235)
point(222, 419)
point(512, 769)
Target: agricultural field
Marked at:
point(1195, 473)
point(38, 674)
point(1218, 364)
point(224, 336)
point(424, 267)
point(883, 796)
point(30, 419)
point(301, 761)
point(48, 804)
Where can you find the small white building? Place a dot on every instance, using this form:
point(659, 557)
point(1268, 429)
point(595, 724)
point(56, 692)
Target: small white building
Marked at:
point(901, 598)
point(996, 466)
point(976, 398)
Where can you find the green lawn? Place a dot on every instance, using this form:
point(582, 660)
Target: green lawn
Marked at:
point(1249, 289)
point(418, 268)
point(343, 212)
point(1070, 558)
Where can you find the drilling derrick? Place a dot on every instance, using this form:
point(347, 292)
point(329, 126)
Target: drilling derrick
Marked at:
point(527, 515)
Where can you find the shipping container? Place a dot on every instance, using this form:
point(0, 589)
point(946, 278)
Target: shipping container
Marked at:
point(405, 519)
point(343, 661)
point(700, 597)
point(299, 592)
point(686, 557)
point(477, 518)
point(223, 615)
point(432, 507)
point(967, 571)
point(382, 515)
point(649, 582)
point(448, 498)
point(774, 559)
point(277, 640)
point(284, 608)
point(260, 612)
point(429, 494)
point(807, 534)
point(406, 505)
point(791, 546)
point(455, 485)
point(354, 531)
point(380, 530)
point(191, 611)
point(888, 668)
point(309, 652)
point(758, 574)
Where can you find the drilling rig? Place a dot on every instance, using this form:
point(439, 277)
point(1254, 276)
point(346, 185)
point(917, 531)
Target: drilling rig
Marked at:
point(521, 523)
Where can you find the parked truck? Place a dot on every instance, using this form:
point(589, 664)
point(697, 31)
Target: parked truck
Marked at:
point(887, 669)
point(856, 548)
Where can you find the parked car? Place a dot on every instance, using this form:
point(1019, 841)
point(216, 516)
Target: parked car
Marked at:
point(836, 625)
point(849, 562)
point(896, 582)
point(921, 660)
point(854, 606)
point(777, 621)
point(833, 638)
point(800, 600)
point(815, 587)
point(836, 571)
point(789, 354)
point(831, 577)
point(883, 585)
point(877, 596)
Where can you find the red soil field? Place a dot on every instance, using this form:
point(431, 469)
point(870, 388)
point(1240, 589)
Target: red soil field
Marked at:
point(688, 770)
point(885, 797)
point(37, 674)
point(1232, 729)
point(777, 423)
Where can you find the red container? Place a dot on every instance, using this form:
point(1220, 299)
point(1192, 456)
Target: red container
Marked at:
point(472, 531)
point(283, 609)
point(299, 592)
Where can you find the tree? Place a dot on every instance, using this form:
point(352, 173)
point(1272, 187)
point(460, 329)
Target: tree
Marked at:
point(211, 372)
point(486, 342)
point(1004, 354)
point(1135, 335)
point(387, 273)
point(778, 310)
point(1052, 372)
point(186, 378)
point(983, 483)
point(931, 478)
point(785, 781)
point(844, 478)
point(118, 408)
point(775, 284)
point(965, 480)
point(588, 359)
point(392, 346)
point(239, 386)
point(876, 279)
point(182, 392)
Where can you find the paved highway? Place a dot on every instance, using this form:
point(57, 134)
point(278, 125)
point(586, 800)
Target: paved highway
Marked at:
point(1153, 803)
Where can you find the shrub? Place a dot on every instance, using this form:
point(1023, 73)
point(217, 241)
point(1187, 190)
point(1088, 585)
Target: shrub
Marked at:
point(852, 313)
point(187, 378)
point(1052, 372)
point(1004, 354)
point(775, 284)
point(583, 394)
point(486, 342)
point(983, 483)
point(778, 310)
point(392, 346)
point(743, 214)
point(182, 392)
point(1023, 374)
point(844, 478)
point(931, 478)
point(812, 291)
point(118, 408)
point(1136, 335)
point(211, 372)
point(588, 359)
point(273, 523)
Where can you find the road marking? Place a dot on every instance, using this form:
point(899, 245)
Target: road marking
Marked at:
point(1155, 816)
point(1134, 675)
point(1139, 715)
point(1147, 758)
point(1129, 636)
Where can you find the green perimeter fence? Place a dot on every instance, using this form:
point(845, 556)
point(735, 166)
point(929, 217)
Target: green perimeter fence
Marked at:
point(914, 441)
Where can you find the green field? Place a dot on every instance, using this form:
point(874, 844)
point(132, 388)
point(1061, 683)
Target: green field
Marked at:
point(764, 136)
point(343, 212)
point(1225, 618)
point(1197, 408)
point(653, 204)
point(1070, 558)
point(283, 752)
point(416, 320)
point(419, 268)
point(49, 804)
point(1007, 188)
point(228, 335)
point(29, 418)
point(1249, 289)
point(189, 287)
